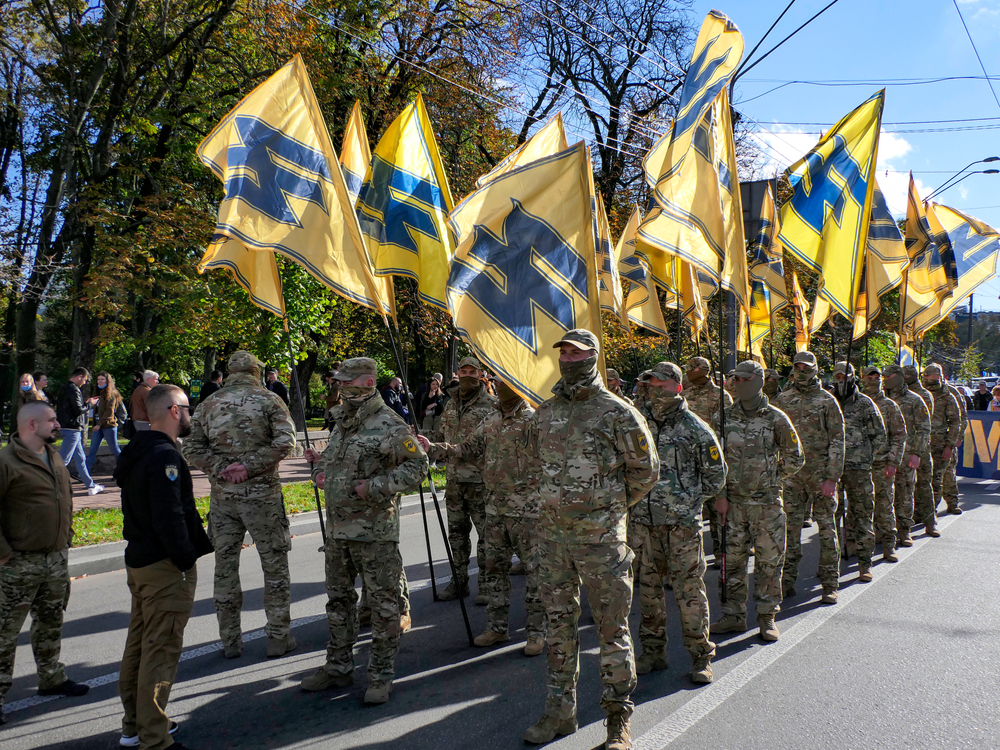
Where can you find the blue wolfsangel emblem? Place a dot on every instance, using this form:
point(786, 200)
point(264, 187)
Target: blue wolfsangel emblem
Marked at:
point(172, 473)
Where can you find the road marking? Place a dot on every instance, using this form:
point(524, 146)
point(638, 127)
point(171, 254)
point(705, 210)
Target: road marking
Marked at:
point(709, 698)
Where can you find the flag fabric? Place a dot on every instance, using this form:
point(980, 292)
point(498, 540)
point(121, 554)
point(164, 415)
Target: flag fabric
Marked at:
point(906, 354)
point(975, 246)
point(284, 189)
point(550, 139)
point(800, 305)
point(404, 206)
point(609, 282)
point(886, 261)
point(768, 293)
point(825, 223)
point(255, 271)
point(524, 270)
point(355, 153)
point(642, 305)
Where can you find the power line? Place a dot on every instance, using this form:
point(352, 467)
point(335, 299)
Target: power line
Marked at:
point(902, 122)
point(992, 90)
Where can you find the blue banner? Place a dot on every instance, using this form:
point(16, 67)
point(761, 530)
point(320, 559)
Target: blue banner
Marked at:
point(979, 454)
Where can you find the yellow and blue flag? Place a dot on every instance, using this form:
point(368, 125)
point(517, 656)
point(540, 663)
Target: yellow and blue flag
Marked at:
point(825, 223)
point(975, 246)
point(642, 305)
point(609, 282)
point(255, 271)
point(906, 354)
point(768, 294)
point(404, 206)
point(355, 153)
point(525, 269)
point(284, 189)
point(800, 306)
point(550, 139)
point(886, 261)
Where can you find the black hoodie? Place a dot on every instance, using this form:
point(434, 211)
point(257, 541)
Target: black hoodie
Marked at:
point(161, 521)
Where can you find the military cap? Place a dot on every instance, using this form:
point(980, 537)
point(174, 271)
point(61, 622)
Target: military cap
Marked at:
point(470, 362)
point(805, 358)
point(242, 361)
point(909, 370)
point(666, 371)
point(843, 367)
point(934, 369)
point(869, 369)
point(769, 373)
point(892, 370)
point(698, 363)
point(581, 338)
point(644, 376)
point(749, 368)
point(357, 367)
point(612, 374)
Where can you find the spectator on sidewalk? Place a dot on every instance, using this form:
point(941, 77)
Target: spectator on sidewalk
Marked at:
point(72, 410)
point(36, 516)
point(27, 392)
point(995, 402)
point(332, 396)
point(429, 408)
point(137, 406)
point(165, 539)
point(214, 384)
point(110, 414)
point(981, 398)
point(392, 394)
point(275, 386)
point(41, 383)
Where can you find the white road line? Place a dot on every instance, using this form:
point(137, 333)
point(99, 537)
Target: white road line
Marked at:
point(709, 698)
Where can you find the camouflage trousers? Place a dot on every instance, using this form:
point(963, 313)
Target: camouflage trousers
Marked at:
point(905, 484)
point(859, 523)
point(228, 521)
point(949, 487)
point(885, 513)
point(605, 572)
point(507, 535)
point(35, 582)
point(714, 526)
point(162, 597)
point(923, 491)
point(466, 503)
point(674, 554)
point(380, 567)
point(761, 527)
point(800, 494)
point(402, 597)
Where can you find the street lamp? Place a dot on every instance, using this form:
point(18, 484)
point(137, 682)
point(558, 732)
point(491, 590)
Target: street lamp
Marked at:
point(967, 175)
point(947, 183)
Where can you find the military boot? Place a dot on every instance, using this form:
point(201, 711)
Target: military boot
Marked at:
point(534, 646)
point(619, 730)
point(889, 555)
point(829, 596)
point(323, 680)
point(904, 538)
point(729, 624)
point(280, 646)
point(650, 662)
point(864, 575)
point(954, 510)
point(701, 671)
point(932, 532)
point(378, 692)
point(451, 591)
point(768, 630)
point(482, 600)
point(233, 650)
point(491, 637)
point(548, 728)
point(405, 622)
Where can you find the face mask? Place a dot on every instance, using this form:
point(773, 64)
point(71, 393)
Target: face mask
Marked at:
point(574, 373)
point(802, 377)
point(910, 379)
point(892, 382)
point(508, 397)
point(770, 388)
point(101, 387)
point(932, 385)
point(872, 389)
point(748, 391)
point(697, 376)
point(844, 388)
point(354, 396)
point(467, 384)
point(25, 387)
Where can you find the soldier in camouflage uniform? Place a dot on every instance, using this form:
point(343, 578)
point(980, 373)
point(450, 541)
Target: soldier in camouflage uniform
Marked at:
point(641, 389)
point(884, 473)
point(702, 396)
point(691, 469)
point(370, 460)
point(946, 422)
point(762, 451)
point(510, 474)
point(596, 462)
point(465, 494)
point(772, 384)
point(917, 419)
point(912, 378)
point(239, 435)
point(614, 381)
point(865, 445)
point(949, 487)
point(820, 426)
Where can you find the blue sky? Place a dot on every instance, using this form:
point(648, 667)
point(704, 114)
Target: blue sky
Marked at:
point(877, 42)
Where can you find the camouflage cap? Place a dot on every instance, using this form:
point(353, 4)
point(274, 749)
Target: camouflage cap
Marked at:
point(357, 367)
point(666, 371)
point(805, 358)
point(749, 368)
point(870, 370)
point(581, 338)
point(769, 373)
point(242, 361)
point(910, 371)
point(844, 368)
point(892, 370)
point(934, 369)
point(698, 363)
point(611, 374)
point(470, 362)
point(644, 376)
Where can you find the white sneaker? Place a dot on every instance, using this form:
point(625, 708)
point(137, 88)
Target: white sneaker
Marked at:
point(133, 741)
point(97, 489)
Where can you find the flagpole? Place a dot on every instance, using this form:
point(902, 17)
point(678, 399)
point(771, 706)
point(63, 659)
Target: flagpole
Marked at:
point(902, 314)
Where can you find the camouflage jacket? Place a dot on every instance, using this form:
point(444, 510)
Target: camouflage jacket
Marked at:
point(244, 423)
point(460, 418)
point(820, 427)
point(374, 445)
point(960, 400)
point(762, 450)
point(595, 460)
point(945, 419)
point(916, 418)
point(925, 395)
point(510, 472)
point(895, 429)
point(618, 392)
point(692, 469)
point(865, 441)
point(703, 400)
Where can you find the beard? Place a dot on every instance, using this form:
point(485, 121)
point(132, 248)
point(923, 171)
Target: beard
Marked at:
point(185, 426)
point(52, 437)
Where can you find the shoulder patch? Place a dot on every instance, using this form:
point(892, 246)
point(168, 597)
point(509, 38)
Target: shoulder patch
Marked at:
point(714, 453)
point(172, 472)
point(409, 445)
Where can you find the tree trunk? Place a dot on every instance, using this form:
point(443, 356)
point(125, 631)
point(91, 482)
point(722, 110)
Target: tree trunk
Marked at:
point(210, 355)
point(305, 368)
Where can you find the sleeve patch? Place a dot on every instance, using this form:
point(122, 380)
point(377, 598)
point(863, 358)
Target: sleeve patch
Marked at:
point(172, 472)
point(714, 453)
point(409, 445)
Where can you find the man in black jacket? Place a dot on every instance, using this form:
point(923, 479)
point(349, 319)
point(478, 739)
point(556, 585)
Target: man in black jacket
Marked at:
point(214, 384)
point(165, 539)
point(71, 411)
point(276, 386)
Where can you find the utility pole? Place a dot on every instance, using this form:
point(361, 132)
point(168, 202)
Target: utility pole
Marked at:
point(970, 319)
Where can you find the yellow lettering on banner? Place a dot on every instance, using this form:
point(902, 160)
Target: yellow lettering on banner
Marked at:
point(968, 447)
point(986, 447)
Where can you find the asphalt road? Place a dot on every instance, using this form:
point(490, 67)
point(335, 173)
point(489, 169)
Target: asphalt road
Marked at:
point(907, 661)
